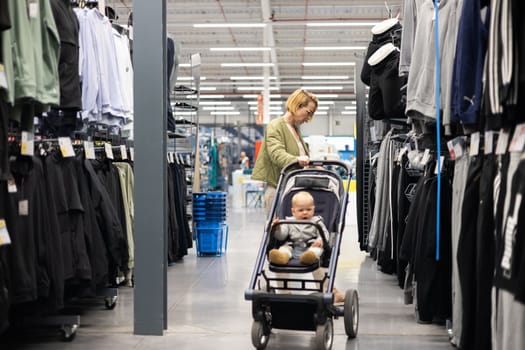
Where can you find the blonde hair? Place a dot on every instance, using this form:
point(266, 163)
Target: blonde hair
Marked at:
point(302, 196)
point(299, 99)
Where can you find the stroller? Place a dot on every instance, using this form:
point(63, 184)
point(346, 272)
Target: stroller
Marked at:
point(303, 303)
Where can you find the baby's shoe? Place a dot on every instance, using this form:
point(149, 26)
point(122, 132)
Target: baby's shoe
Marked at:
point(277, 257)
point(308, 258)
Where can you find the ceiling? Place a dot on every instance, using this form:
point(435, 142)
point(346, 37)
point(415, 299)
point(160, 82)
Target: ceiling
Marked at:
point(294, 38)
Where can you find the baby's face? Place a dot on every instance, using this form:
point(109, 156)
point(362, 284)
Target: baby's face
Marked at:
point(303, 210)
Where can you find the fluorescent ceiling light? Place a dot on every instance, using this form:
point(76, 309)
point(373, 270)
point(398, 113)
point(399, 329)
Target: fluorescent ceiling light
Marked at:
point(229, 25)
point(325, 102)
point(312, 88)
point(240, 48)
point(341, 24)
point(321, 113)
point(254, 88)
point(354, 102)
point(327, 96)
point(208, 88)
point(276, 112)
point(255, 96)
point(217, 108)
point(322, 64)
point(271, 102)
point(250, 78)
point(206, 96)
point(325, 77)
point(247, 64)
point(323, 108)
point(213, 103)
point(351, 107)
point(273, 108)
point(184, 65)
point(188, 78)
point(185, 113)
point(225, 113)
point(331, 48)
point(348, 112)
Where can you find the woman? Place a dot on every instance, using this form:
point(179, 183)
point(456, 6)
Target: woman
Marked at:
point(284, 144)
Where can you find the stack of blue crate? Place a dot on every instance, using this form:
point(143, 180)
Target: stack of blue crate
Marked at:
point(209, 223)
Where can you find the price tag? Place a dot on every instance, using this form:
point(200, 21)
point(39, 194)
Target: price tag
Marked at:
point(23, 207)
point(450, 146)
point(373, 135)
point(4, 235)
point(474, 144)
point(66, 147)
point(426, 157)
point(436, 170)
point(518, 140)
point(89, 150)
point(489, 142)
point(28, 144)
point(132, 154)
point(123, 152)
point(402, 153)
point(3, 77)
point(11, 185)
point(503, 141)
point(33, 9)
point(109, 151)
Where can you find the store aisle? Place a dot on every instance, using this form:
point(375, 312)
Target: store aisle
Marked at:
point(207, 309)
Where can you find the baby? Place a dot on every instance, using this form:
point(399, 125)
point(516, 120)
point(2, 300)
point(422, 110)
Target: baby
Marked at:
point(303, 241)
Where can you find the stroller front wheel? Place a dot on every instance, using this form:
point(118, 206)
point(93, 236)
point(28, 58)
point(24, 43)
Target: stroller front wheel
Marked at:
point(260, 335)
point(324, 335)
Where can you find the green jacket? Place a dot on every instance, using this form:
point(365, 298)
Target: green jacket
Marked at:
point(278, 149)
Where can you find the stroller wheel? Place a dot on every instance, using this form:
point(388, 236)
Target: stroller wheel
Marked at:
point(351, 313)
point(260, 335)
point(324, 335)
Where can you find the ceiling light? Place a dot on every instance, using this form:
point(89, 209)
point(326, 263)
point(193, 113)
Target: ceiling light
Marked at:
point(208, 88)
point(324, 108)
point(273, 108)
point(225, 113)
point(211, 103)
point(255, 96)
point(240, 48)
point(348, 112)
point(247, 64)
point(184, 65)
point(250, 78)
point(350, 107)
point(318, 64)
point(185, 113)
point(321, 113)
point(254, 88)
point(325, 102)
point(313, 88)
point(206, 96)
point(327, 96)
point(271, 102)
point(188, 78)
point(341, 24)
point(325, 77)
point(325, 48)
point(229, 25)
point(216, 108)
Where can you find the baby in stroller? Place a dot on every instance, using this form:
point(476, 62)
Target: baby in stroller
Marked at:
point(302, 241)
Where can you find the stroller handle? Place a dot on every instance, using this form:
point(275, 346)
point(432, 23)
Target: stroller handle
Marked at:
point(317, 162)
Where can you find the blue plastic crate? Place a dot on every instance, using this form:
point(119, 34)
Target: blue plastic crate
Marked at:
point(211, 238)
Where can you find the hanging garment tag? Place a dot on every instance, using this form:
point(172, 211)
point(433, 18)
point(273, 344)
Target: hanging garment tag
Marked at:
point(3, 77)
point(11, 185)
point(474, 144)
point(33, 8)
point(4, 235)
point(489, 142)
point(436, 170)
point(123, 152)
point(402, 153)
point(509, 239)
point(518, 140)
point(503, 141)
point(426, 157)
point(89, 150)
point(28, 144)
point(132, 154)
point(373, 136)
point(109, 151)
point(450, 146)
point(23, 207)
point(66, 147)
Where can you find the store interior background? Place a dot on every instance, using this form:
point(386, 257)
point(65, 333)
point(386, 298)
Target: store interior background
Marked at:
point(313, 45)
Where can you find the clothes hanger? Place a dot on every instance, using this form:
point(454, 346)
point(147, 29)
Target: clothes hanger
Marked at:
point(384, 26)
point(382, 53)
